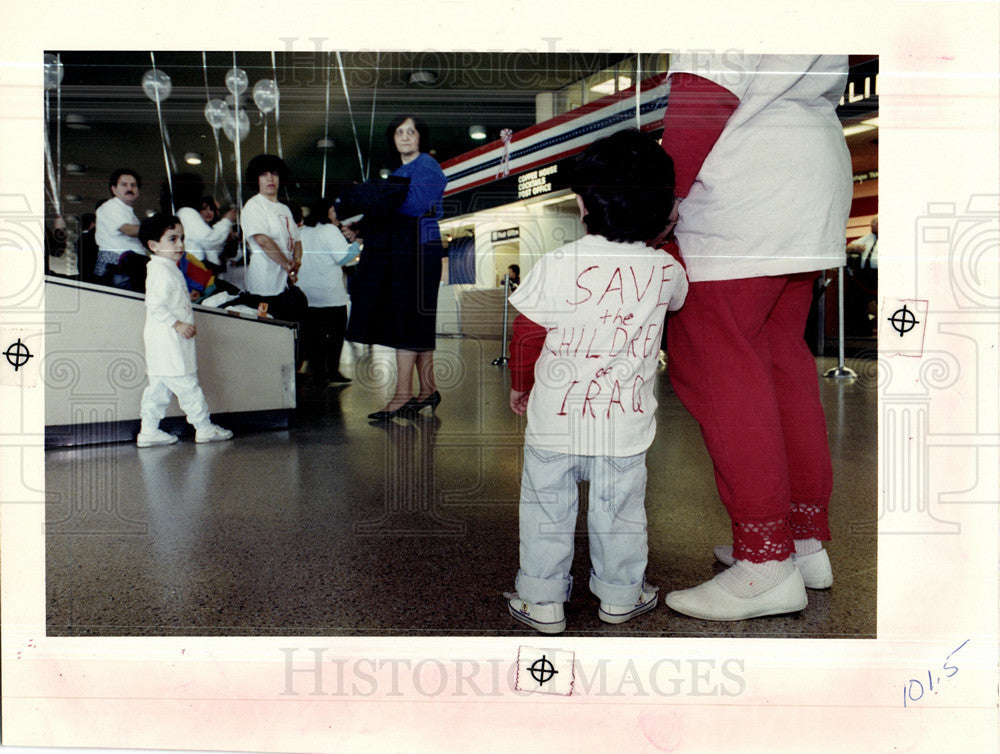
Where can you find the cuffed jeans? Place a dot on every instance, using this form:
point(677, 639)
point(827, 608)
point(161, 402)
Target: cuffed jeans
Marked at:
point(616, 520)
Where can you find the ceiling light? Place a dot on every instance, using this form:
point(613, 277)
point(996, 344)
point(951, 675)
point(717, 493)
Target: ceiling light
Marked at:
point(384, 173)
point(73, 198)
point(192, 158)
point(608, 87)
point(871, 121)
point(325, 144)
point(857, 128)
point(477, 132)
point(423, 78)
point(77, 122)
point(74, 168)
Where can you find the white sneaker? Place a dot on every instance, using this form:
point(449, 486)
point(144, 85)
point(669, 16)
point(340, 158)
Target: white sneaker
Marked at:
point(817, 573)
point(547, 617)
point(212, 433)
point(710, 601)
point(620, 614)
point(156, 437)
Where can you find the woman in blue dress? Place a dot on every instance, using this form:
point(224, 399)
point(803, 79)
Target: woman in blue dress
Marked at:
point(394, 293)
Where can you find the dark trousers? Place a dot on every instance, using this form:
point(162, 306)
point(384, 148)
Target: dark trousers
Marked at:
point(326, 326)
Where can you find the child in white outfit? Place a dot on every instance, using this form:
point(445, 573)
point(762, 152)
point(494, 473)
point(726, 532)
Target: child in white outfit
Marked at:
point(169, 339)
point(583, 366)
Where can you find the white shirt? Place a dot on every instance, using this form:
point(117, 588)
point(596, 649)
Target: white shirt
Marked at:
point(167, 301)
point(324, 252)
point(260, 215)
point(773, 196)
point(112, 215)
point(602, 303)
point(201, 240)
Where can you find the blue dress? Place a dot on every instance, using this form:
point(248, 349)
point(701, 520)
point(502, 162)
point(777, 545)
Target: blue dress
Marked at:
point(395, 288)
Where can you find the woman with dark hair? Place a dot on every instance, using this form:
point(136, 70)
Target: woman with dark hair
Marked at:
point(202, 240)
point(394, 294)
point(273, 239)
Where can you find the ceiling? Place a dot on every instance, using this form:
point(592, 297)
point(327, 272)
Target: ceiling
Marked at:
point(109, 122)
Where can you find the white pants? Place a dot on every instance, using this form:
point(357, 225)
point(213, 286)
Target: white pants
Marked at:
point(156, 399)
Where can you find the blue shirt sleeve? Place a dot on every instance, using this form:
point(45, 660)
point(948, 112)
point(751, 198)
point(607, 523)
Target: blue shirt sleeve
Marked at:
point(427, 182)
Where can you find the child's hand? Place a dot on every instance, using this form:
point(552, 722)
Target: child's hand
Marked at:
point(519, 401)
point(194, 296)
point(184, 329)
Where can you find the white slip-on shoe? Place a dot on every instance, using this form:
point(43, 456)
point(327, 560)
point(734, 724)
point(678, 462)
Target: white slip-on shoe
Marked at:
point(156, 437)
point(547, 617)
point(710, 601)
point(212, 433)
point(619, 614)
point(817, 573)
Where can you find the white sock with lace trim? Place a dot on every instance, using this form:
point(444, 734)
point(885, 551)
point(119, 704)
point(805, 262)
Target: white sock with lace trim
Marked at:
point(807, 546)
point(746, 579)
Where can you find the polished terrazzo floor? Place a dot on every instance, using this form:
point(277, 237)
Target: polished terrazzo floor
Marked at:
point(337, 527)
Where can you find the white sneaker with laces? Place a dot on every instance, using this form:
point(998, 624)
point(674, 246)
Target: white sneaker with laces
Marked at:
point(817, 573)
point(547, 617)
point(156, 437)
point(212, 433)
point(619, 613)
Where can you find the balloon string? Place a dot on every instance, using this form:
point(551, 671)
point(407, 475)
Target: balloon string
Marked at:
point(265, 131)
point(350, 112)
point(208, 98)
point(371, 126)
point(277, 107)
point(50, 170)
point(58, 130)
point(239, 169)
point(163, 141)
point(326, 129)
point(638, 91)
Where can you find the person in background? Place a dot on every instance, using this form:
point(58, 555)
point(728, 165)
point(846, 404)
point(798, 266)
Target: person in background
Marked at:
point(203, 240)
point(513, 277)
point(121, 257)
point(86, 247)
point(272, 238)
point(861, 296)
point(753, 241)
point(395, 289)
point(325, 251)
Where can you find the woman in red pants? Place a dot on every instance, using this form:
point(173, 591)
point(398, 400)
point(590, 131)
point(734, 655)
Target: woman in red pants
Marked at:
point(764, 188)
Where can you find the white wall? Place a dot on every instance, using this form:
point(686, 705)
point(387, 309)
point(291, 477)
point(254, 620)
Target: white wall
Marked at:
point(94, 365)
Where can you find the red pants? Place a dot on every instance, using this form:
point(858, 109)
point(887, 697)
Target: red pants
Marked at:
point(739, 364)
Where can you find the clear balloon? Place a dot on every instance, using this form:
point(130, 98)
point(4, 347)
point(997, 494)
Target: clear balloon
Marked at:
point(265, 95)
point(216, 112)
point(156, 84)
point(237, 81)
point(53, 70)
point(236, 123)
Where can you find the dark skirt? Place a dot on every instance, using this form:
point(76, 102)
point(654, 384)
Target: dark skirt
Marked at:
point(395, 288)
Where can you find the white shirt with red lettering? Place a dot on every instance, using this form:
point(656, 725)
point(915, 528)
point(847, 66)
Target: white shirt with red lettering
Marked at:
point(602, 304)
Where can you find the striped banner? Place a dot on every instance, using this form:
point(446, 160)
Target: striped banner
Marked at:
point(559, 137)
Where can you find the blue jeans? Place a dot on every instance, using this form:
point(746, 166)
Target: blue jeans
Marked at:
point(616, 521)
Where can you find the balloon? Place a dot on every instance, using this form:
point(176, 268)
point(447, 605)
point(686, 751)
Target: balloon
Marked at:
point(265, 95)
point(53, 71)
point(237, 81)
point(229, 125)
point(216, 112)
point(156, 84)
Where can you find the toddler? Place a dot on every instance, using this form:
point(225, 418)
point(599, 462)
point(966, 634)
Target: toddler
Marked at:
point(169, 339)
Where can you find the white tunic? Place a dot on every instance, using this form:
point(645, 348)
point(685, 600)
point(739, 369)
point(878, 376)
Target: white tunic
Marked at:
point(324, 252)
point(602, 303)
point(168, 354)
point(260, 215)
point(773, 196)
point(201, 240)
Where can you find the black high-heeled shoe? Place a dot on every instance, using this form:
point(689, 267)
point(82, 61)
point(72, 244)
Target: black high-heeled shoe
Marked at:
point(408, 409)
point(432, 400)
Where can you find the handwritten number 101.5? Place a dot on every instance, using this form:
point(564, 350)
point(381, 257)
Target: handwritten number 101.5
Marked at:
point(914, 690)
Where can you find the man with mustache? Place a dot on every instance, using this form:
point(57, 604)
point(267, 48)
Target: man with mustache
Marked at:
point(117, 232)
